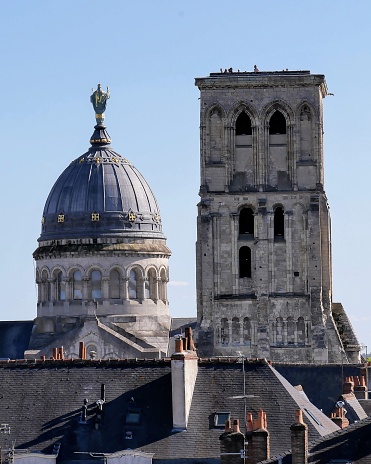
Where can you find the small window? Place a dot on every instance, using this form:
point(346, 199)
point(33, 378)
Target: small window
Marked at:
point(220, 418)
point(246, 221)
point(277, 124)
point(243, 125)
point(133, 416)
point(279, 222)
point(245, 262)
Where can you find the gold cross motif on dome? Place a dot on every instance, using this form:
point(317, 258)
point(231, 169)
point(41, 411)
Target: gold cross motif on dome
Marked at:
point(60, 217)
point(42, 220)
point(95, 216)
point(156, 217)
point(97, 160)
point(132, 216)
point(81, 160)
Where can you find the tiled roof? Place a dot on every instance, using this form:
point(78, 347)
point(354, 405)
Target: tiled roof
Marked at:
point(42, 404)
point(321, 383)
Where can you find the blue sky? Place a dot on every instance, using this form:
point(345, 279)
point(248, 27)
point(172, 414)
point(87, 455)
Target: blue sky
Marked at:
point(149, 52)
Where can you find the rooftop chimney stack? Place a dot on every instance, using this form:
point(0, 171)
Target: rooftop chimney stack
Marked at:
point(184, 368)
point(360, 388)
point(338, 417)
point(259, 448)
point(232, 444)
point(299, 439)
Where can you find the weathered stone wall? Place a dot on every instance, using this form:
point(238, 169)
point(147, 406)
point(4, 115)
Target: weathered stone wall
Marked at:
point(266, 292)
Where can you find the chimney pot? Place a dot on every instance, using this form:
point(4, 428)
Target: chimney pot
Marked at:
point(227, 426)
point(236, 425)
point(178, 345)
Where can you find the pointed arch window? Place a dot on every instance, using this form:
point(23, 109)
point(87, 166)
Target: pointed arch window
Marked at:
point(243, 124)
point(114, 285)
point(246, 221)
point(77, 285)
point(245, 261)
point(279, 223)
point(277, 123)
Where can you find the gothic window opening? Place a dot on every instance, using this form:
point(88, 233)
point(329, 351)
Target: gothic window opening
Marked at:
point(279, 223)
point(277, 124)
point(133, 284)
point(114, 285)
point(243, 125)
point(77, 285)
point(96, 285)
point(247, 330)
point(245, 262)
point(224, 332)
point(246, 221)
point(235, 330)
point(60, 287)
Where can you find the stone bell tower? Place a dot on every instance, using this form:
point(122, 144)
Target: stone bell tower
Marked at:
point(264, 237)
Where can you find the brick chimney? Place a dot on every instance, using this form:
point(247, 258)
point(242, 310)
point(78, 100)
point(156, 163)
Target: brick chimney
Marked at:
point(348, 385)
point(232, 444)
point(184, 368)
point(299, 439)
point(360, 388)
point(338, 417)
point(259, 443)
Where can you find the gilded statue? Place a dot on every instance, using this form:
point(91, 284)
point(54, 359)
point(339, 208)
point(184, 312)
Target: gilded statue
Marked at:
point(99, 101)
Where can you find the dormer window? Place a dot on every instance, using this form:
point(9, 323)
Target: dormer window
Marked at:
point(133, 416)
point(220, 418)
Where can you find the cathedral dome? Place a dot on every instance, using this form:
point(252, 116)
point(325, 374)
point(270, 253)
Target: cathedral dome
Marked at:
point(100, 194)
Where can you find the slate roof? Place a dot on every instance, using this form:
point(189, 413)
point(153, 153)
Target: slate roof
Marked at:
point(42, 403)
point(323, 384)
point(354, 410)
point(101, 181)
point(352, 444)
point(14, 338)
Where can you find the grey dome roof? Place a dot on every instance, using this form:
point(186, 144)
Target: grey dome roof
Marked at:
point(100, 194)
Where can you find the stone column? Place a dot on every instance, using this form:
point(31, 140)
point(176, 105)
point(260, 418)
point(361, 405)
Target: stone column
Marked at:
point(299, 440)
point(85, 288)
point(125, 289)
point(289, 249)
point(234, 252)
point(105, 288)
